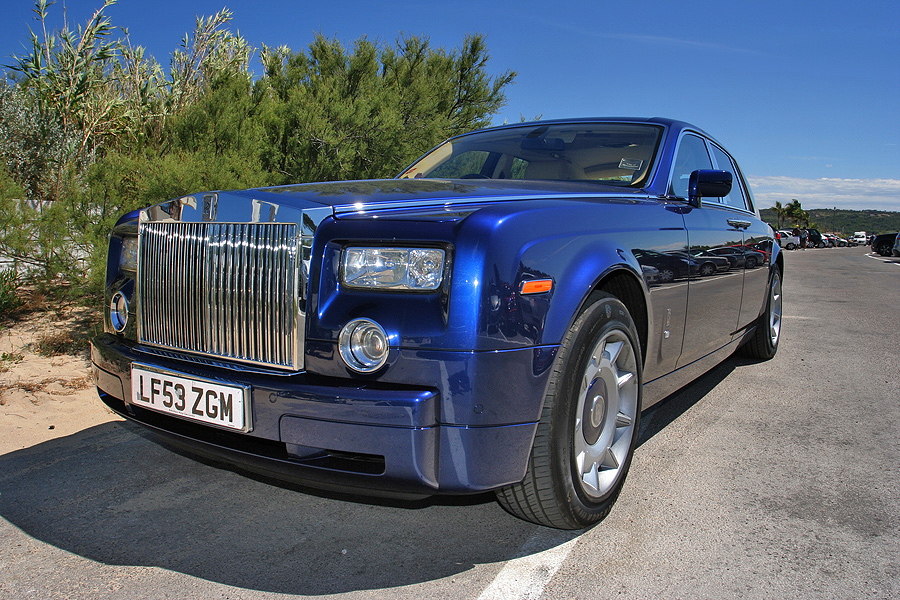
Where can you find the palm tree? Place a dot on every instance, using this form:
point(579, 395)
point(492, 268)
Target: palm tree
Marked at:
point(794, 212)
point(779, 213)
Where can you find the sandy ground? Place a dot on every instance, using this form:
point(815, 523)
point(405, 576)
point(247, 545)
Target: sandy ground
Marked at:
point(41, 397)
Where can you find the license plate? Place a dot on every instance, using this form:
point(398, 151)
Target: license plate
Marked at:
point(189, 397)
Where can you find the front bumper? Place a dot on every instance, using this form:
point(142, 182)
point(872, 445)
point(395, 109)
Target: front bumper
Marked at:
point(338, 434)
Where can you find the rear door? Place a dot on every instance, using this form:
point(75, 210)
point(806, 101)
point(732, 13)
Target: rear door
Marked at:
point(714, 297)
point(756, 233)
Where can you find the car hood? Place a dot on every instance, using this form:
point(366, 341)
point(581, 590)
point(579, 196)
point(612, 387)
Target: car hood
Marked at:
point(355, 196)
point(417, 198)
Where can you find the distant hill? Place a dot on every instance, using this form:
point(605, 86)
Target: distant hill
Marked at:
point(844, 222)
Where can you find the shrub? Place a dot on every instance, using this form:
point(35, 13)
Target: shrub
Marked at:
point(9, 299)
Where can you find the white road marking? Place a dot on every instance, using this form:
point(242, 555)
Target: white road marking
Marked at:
point(526, 576)
point(887, 259)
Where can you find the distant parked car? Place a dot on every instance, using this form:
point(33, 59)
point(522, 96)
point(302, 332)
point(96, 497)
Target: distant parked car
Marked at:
point(841, 242)
point(764, 247)
point(816, 240)
point(830, 240)
point(896, 249)
point(860, 237)
point(669, 267)
point(884, 244)
point(707, 263)
point(740, 256)
point(787, 240)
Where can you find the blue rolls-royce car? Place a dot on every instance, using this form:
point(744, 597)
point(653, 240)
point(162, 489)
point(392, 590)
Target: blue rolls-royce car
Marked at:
point(494, 319)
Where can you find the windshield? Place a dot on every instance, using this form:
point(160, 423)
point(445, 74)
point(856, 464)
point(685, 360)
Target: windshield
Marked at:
point(612, 153)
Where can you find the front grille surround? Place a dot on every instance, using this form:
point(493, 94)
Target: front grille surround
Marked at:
point(227, 290)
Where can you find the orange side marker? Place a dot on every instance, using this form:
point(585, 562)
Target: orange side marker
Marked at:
point(536, 286)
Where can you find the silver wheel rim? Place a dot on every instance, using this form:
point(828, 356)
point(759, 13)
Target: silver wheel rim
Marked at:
point(775, 310)
point(606, 414)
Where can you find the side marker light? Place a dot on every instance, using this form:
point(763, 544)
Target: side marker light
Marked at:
point(536, 286)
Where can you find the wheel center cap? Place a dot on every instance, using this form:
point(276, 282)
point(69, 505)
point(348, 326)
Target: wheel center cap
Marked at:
point(598, 410)
point(594, 414)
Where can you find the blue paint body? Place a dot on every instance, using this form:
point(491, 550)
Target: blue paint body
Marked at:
point(456, 407)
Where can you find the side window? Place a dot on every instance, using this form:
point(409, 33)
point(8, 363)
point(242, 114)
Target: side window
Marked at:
point(692, 155)
point(517, 171)
point(724, 163)
point(466, 163)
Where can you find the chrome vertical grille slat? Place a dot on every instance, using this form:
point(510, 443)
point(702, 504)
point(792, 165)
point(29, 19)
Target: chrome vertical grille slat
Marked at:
point(222, 289)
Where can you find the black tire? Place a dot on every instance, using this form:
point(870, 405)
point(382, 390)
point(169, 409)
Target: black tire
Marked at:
point(707, 269)
point(584, 423)
point(751, 263)
point(790, 246)
point(764, 341)
point(666, 274)
point(884, 249)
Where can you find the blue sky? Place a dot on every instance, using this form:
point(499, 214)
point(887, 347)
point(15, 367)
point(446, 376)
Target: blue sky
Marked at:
point(806, 95)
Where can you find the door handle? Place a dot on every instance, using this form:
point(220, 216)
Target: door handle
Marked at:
point(739, 224)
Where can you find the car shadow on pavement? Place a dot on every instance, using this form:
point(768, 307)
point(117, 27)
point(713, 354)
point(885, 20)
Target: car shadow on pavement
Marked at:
point(659, 416)
point(111, 495)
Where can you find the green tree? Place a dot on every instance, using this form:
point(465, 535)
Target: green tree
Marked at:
point(779, 213)
point(65, 74)
point(795, 213)
point(369, 112)
point(210, 52)
point(91, 127)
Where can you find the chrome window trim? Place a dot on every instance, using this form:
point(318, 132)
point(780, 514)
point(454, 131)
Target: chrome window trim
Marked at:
point(745, 188)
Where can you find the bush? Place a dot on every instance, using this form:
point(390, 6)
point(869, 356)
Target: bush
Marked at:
point(91, 129)
point(9, 299)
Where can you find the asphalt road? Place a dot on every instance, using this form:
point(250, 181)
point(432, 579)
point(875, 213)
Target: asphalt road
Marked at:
point(770, 480)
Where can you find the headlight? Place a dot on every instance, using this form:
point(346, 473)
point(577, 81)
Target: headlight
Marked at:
point(129, 257)
point(393, 268)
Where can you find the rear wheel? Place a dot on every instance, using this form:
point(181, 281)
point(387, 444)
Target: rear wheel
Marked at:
point(764, 343)
point(588, 429)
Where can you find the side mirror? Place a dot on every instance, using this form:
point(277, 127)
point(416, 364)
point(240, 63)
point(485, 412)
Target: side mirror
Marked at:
point(708, 184)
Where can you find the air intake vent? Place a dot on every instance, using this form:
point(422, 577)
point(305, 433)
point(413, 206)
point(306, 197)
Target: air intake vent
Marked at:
point(228, 290)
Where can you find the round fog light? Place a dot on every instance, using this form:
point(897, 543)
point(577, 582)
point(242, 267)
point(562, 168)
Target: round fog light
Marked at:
point(363, 345)
point(118, 312)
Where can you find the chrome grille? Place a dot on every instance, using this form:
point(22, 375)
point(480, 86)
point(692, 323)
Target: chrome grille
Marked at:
point(228, 290)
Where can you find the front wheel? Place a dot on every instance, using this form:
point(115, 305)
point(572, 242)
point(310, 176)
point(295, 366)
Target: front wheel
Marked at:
point(588, 429)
